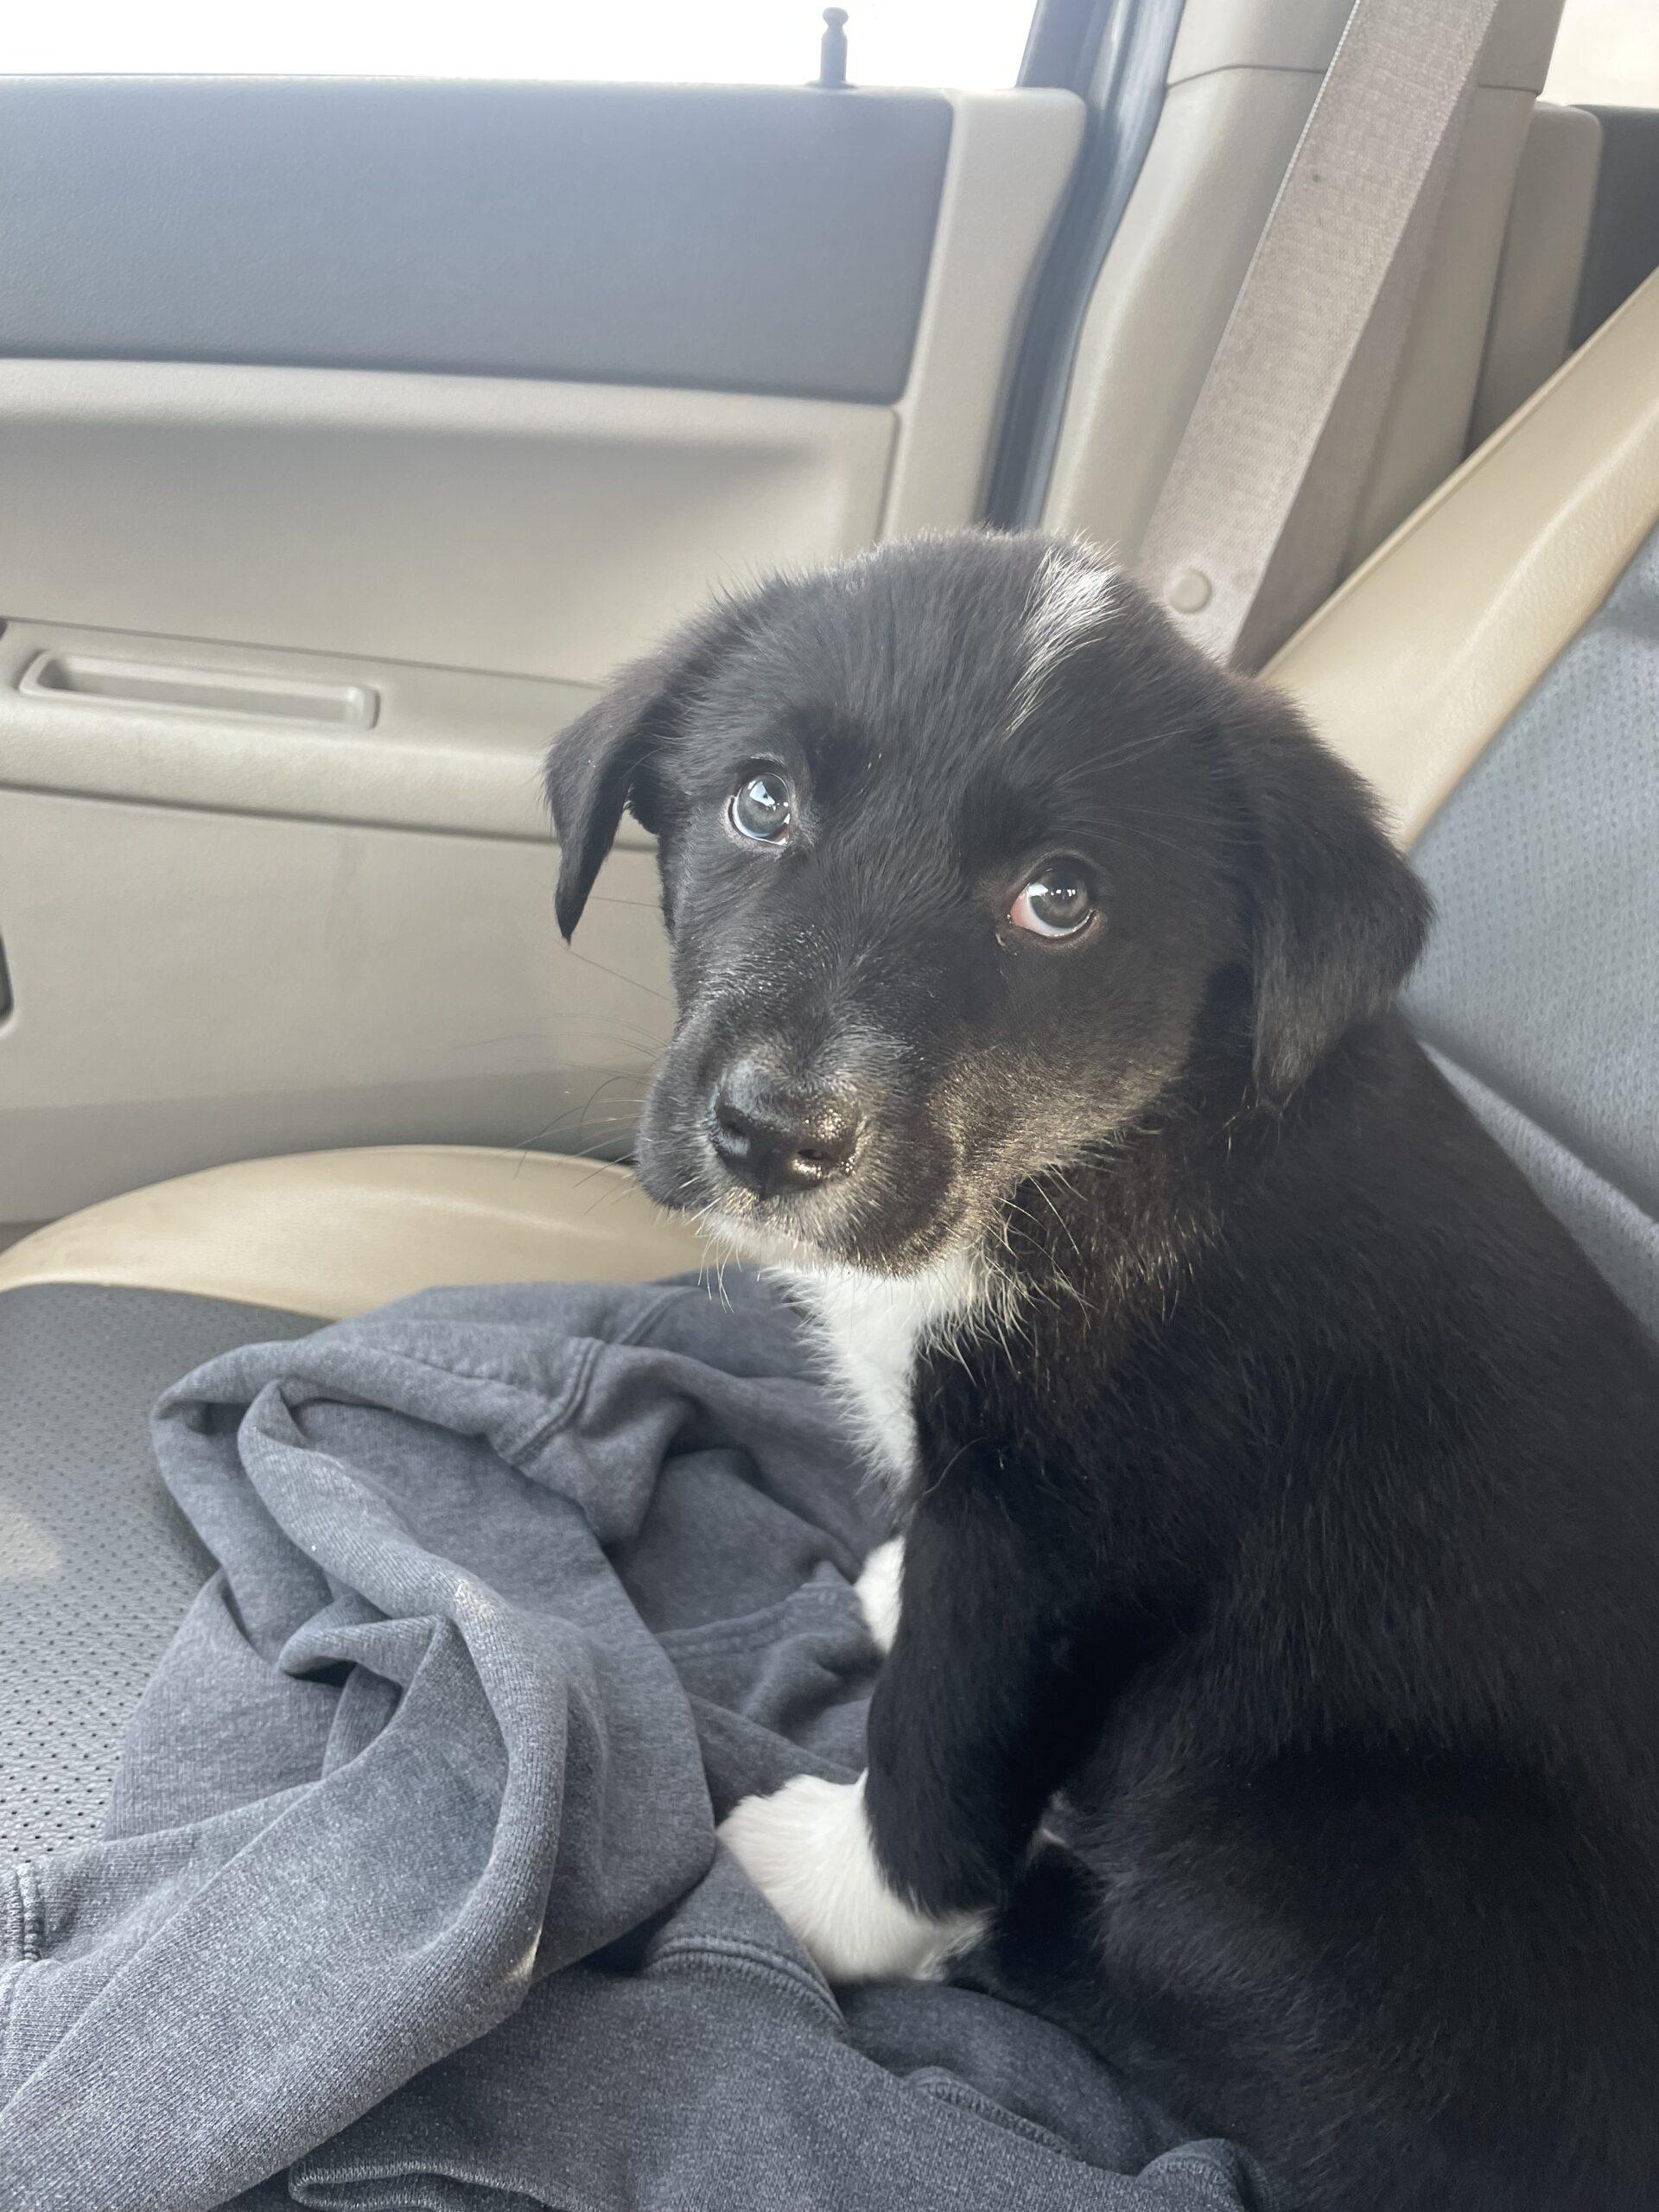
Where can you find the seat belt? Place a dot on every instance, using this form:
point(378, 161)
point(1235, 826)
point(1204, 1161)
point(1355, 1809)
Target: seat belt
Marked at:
point(1249, 531)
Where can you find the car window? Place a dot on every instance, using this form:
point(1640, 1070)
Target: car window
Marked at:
point(969, 43)
point(1606, 55)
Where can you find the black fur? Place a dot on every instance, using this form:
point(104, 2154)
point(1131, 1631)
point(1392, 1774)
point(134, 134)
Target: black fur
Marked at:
point(1294, 1511)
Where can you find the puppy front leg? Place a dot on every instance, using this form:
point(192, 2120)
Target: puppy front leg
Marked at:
point(969, 1737)
point(973, 1725)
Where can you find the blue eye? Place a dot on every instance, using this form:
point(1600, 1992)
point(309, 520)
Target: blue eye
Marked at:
point(762, 808)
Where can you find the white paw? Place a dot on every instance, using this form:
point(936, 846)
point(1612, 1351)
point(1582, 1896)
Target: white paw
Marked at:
point(877, 1592)
point(807, 1849)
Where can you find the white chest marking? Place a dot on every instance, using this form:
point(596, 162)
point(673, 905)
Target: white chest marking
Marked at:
point(872, 1327)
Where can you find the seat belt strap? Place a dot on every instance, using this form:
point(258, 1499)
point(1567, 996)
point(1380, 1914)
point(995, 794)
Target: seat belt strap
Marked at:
point(1254, 517)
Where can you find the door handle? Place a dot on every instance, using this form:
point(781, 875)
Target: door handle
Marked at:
point(88, 680)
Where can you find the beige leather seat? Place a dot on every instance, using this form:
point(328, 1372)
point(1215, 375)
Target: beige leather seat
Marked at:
point(1417, 662)
point(1473, 607)
point(333, 1233)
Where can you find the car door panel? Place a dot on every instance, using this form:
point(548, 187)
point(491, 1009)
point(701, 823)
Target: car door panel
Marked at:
point(255, 441)
point(194, 987)
point(743, 238)
point(532, 528)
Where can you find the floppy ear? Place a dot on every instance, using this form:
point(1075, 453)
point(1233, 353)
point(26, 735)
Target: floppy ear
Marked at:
point(601, 763)
point(1338, 916)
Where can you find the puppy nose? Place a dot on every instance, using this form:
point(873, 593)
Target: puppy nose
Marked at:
point(776, 1138)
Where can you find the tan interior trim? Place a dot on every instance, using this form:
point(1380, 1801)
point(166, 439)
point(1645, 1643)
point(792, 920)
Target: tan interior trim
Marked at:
point(335, 1233)
point(1415, 664)
point(1011, 156)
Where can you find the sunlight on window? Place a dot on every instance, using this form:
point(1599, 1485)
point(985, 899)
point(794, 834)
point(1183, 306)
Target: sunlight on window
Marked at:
point(961, 43)
point(1606, 55)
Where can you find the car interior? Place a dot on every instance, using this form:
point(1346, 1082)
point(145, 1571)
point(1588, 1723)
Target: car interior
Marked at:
point(354, 430)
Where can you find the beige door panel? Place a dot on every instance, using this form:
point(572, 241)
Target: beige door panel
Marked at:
point(531, 527)
point(242, 918)
point(246, 729)
point(194, 987)
point(537, 528)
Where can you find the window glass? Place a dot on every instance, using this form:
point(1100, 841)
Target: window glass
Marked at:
point(1606, 55)
point(971, 43)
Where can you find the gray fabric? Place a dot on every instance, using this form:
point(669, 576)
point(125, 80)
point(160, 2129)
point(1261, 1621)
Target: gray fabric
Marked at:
point(97, 1564)
point(1540, 992)
point(759, 239)
point(411, 1853)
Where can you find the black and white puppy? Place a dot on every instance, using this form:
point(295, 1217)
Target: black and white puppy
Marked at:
point(1278, 1485)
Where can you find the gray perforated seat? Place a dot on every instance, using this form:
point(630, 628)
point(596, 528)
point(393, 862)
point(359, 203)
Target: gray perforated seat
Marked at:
point(1493, 669)
point(97, 1564)
point(101, 1312)
point(1540, 992)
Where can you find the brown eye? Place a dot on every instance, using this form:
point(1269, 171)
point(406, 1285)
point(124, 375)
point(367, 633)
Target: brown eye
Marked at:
point(1058, 901)
point(762, 808)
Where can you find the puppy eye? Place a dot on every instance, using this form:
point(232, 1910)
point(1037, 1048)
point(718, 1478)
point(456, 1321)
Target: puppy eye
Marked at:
point(762, 808)
point(1058, 901)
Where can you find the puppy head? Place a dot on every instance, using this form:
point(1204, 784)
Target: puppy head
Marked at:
point(963, 853)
